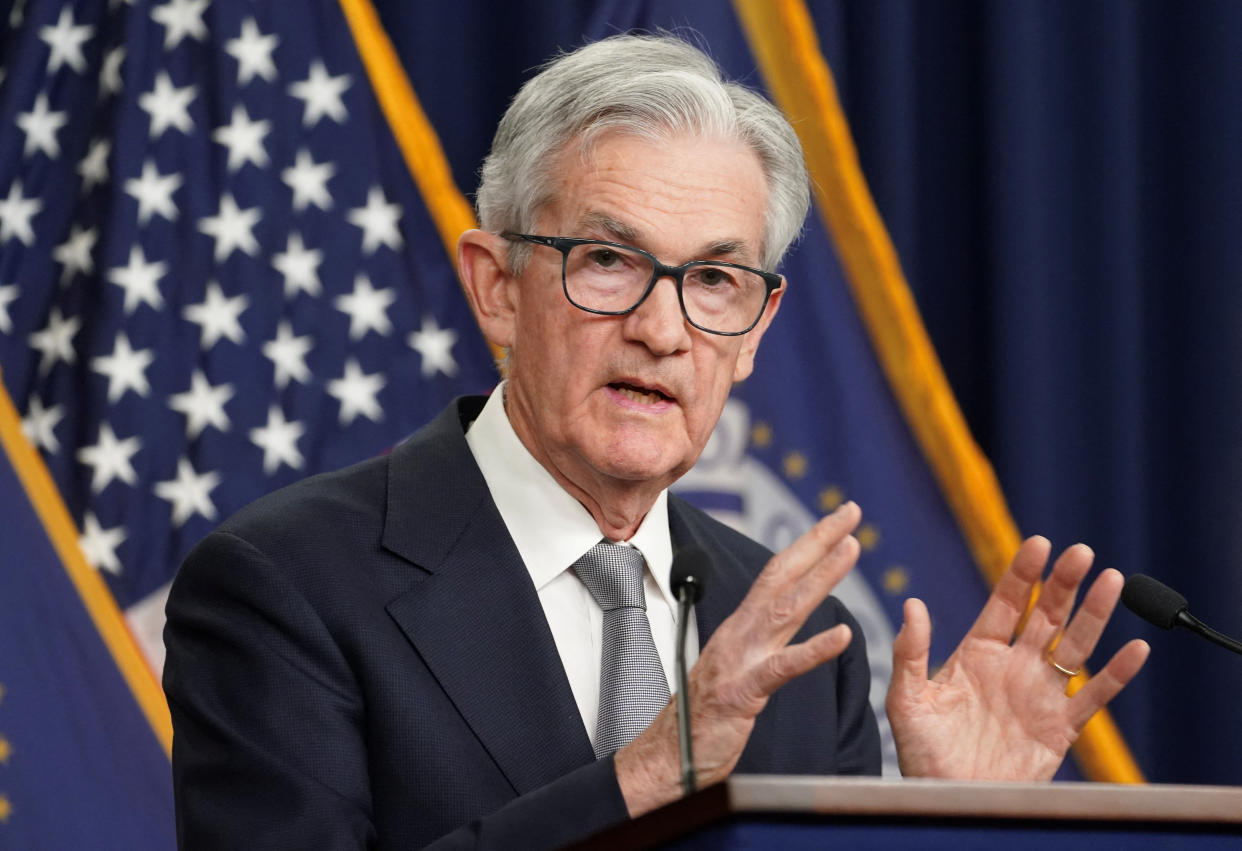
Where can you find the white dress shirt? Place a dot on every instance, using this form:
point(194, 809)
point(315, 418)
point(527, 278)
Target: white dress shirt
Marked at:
point(552, 530)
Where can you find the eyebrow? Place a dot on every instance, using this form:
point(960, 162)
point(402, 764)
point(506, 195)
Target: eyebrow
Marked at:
point(618, 231)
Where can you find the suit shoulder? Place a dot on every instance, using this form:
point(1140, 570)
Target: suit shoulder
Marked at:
point(322, 505)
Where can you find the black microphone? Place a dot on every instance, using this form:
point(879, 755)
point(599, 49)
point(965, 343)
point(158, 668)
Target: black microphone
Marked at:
point(687, 579)
point(1160, 605)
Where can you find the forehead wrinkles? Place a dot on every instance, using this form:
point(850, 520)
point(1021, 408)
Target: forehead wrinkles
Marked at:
point(594, 222)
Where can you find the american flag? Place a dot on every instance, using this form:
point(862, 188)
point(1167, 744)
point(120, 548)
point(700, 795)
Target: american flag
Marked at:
point(216, 273)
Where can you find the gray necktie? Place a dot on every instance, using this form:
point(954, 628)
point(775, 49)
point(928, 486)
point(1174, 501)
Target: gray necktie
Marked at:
point(632, 687)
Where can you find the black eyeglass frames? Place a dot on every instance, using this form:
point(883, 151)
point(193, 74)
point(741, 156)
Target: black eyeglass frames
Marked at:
point(613, 279)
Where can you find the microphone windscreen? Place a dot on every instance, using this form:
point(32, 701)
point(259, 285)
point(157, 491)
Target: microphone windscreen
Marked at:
point(1152, 600)
point(690, 568)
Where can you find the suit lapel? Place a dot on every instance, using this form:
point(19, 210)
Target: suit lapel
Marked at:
point(476, 619)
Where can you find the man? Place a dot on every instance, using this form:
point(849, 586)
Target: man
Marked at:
point(421, 646)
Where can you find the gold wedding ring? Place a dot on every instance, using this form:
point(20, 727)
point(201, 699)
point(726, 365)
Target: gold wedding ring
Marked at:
point(1061, 668)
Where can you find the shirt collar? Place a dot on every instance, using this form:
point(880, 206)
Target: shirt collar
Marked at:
point(550, 528)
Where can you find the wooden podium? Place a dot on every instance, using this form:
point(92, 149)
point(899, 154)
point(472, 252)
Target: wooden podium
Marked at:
point(767, 812)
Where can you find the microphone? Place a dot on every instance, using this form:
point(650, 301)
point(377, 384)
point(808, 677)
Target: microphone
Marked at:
point(687, 580)
point(1161, 606)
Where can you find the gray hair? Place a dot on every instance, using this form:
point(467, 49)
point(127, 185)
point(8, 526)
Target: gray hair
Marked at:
point(650, 86)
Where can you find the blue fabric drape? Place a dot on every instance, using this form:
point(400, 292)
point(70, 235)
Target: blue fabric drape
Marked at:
point(1063, 183)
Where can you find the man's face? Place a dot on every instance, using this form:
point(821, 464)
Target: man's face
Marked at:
point(607, 401)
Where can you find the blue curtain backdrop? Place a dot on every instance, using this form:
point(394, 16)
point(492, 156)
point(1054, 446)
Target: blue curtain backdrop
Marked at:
point(1063, 185)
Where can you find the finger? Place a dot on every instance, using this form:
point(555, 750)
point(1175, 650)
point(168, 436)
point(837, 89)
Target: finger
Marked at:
point(794, 561)
point(774, 609)
point(825, 553)
point(910, 652)
point(1056, 596)
point(1105, 685)
point(780, 616)
point(1084, 631)
point(1007, 603)
point(797, 659)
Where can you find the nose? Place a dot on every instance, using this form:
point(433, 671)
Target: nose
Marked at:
point(658, 322)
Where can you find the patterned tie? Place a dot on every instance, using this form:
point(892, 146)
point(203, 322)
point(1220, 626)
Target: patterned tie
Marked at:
point(632, 687)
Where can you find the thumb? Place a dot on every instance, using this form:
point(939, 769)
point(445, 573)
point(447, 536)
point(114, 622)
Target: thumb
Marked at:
point(910, 651)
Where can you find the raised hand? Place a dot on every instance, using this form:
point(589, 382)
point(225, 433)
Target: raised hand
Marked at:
point(747, 659)
point(998, 707)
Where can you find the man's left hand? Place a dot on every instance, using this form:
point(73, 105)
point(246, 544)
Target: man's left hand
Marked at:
point(998, 707)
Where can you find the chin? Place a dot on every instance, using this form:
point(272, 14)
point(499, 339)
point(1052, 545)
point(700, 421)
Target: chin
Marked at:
point(642, 462)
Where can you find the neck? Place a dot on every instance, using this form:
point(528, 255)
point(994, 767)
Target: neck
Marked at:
point(618, 511)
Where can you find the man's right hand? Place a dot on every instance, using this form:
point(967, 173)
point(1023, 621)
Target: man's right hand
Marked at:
point(747, 659)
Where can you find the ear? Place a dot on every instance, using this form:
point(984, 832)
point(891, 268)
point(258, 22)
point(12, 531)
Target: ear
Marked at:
point(483, 264)
point(745, 363)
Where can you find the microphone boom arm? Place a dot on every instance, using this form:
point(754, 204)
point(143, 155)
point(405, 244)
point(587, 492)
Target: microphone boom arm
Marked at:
point(1192, 623)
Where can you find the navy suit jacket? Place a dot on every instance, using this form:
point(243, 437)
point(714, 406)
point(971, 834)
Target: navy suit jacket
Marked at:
point(361, 660)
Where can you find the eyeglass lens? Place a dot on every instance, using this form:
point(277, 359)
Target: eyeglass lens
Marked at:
point(611, 279)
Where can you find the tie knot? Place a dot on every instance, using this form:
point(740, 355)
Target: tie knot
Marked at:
point(614, 575)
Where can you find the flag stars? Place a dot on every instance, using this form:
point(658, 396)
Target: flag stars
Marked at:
point(357, 393)
point(140, 280)
point(56, 340)
point(168, 106)
point(65, 41)
point(181, 19)
point(6, 751)
point(896, 579)
point(125, 369)
point(321, 95)
point(39, 425)
point(203, 405)
point(74, 254)
point(367, 308)
point(288, 355)
point(93, 168)
point(8, 295)
point(253, 52)
point(309, 182)
point(794, 465)
point(189, 493)
point(153, 192)
point(110, 459)
point(16, 211)
point(279, 441)
point(830, 498)
point(868, 537)
point(232, 228)
point(378, 220)
point(110, 72)
point(99, 544)
point(244, 139)
point(761, 435)
point(218, 316)
point(40, 126)
point(300, 267)
point(435, 345)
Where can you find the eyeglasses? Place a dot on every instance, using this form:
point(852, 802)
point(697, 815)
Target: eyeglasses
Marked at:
point(612, 279)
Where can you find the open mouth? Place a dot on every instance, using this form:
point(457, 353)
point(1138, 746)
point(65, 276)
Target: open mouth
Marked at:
point(642, 395)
